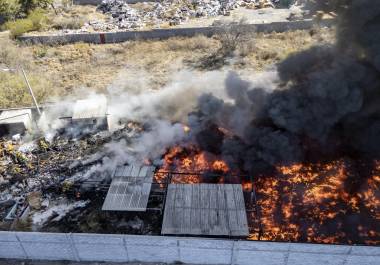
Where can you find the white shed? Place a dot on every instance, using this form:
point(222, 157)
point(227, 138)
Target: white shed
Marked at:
point(14, 121)
point(91, 112)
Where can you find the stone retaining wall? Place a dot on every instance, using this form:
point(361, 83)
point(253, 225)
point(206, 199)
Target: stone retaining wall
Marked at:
point(114, 37)
point(124, 248)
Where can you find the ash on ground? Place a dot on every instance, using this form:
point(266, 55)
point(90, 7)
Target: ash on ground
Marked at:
point(46, 186)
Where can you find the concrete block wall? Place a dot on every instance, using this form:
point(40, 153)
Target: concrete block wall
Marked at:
point(124, 248)
point(115, 37)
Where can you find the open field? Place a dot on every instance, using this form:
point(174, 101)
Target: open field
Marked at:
point(66, 70)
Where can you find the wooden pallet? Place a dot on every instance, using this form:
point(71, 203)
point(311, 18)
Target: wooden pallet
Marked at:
point(205, 209)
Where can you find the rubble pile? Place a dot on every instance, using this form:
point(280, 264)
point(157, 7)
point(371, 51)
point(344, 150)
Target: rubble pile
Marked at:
point(125, 16)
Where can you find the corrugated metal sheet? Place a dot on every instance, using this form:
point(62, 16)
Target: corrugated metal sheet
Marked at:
point(130, 189)
point(205, 209)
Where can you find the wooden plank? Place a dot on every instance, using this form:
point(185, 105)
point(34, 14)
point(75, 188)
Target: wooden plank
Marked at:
point(230, 197)
point(179, 201)
point(187, 195)
point(195, 228)
point(186, 222)
point(178, 220)
point(223, 222)
point(195, 197)
point(221, 198)
point(168, 225)
point(213, 194)
point(204, 197)
point(205, 227)
point(239, 198)
point(213, 223)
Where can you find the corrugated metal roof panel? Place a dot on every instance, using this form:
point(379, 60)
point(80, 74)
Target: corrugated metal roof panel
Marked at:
point(130, 189)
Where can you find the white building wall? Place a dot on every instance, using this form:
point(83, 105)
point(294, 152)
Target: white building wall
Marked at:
point(124, 248)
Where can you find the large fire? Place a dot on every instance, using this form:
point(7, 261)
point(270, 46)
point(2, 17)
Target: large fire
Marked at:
point(186, 160)
point(320, 202)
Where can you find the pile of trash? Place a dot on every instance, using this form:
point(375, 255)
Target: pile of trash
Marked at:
point(40, 180)
point(173, 12)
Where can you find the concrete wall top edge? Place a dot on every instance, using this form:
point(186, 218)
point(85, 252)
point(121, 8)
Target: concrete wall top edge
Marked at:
point(204, 243)
point(8, 236)
point(151, 241)
point(319, 248)
point(366, 250)
point(42, 237)
point(110, 239)
point(263, 246)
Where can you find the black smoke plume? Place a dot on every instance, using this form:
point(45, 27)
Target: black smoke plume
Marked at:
point(326, 105)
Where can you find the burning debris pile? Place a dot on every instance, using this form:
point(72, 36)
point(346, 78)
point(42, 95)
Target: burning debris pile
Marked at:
point(307, 134)
point(311, 144)
point(125, 16)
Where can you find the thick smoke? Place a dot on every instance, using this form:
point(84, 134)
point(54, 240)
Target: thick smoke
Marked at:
point(160, 113)
point(326, 102)
point(321, 103)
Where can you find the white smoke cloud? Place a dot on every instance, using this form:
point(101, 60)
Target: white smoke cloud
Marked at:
point(163, 110)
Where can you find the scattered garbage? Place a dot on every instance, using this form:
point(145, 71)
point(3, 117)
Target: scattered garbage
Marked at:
point(40, 180)
point(56, 212)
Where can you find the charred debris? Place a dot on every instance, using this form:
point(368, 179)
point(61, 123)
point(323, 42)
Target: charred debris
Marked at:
point(43, 181)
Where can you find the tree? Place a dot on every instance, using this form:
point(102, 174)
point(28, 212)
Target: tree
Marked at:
point(29, 5)
point(9, 9)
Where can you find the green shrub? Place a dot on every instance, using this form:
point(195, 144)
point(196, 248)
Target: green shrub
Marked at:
point(38, 18)
point(9, 9)
point(35, 21)
point(28, 5)
point(19, 27)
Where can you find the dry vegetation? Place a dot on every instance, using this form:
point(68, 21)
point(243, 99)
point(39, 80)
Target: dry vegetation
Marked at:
point(63, 70)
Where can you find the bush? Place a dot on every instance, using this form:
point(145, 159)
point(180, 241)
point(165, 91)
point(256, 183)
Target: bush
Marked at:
point(28, 5)
point(235, 39)
point(68, 23)
point(9, 9)
point(19, 27)
point(35, 21)
point(38, 19)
